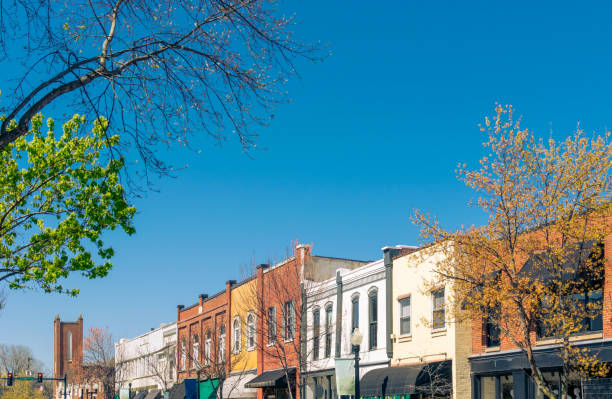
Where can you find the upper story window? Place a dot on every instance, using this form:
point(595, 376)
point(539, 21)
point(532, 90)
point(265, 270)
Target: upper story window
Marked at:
point(354, 313)
point(207, 348)
point(373, 318)
point(250, 331)
point(328, 330)
point(183, 354)
point(236, 328)
point(316, 333)
point(69, 349)
point(271, 325)
point(289, 320)
point(404, 315)
point(196, 350)
point(491, 333)
point(222, 344)
point(439, 309)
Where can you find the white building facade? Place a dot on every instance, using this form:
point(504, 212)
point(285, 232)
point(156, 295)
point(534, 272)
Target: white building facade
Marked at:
point(147, 361)
point(335, 308)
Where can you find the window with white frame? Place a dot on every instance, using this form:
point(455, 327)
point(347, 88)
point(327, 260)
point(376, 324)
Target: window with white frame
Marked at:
point(207, 348)
point(373, 319)
point(236, 337)
point(222, 344)
point(439, 312)
point(404, 316)
point(316, 331)
point(271, 325)
point(354, 313)
point(289, 320)
point(69, 340)
point(250, 331)
point(328, 330)
point(183, 354)
point(196, 350)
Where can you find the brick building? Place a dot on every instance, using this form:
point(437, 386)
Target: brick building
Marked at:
point(500, 370)
point(68, 360)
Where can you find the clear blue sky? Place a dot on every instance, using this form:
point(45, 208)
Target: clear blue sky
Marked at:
point(373, 132)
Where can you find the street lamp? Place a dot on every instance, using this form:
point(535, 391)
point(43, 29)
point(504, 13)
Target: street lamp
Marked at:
point(356, 339)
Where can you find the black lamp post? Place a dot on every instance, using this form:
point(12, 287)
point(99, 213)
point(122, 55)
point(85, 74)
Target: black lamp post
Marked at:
point(130, 390)
point(356, 339)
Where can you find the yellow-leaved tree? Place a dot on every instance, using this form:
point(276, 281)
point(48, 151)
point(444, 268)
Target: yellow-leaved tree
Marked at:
point(23, 390)
point(534, 272)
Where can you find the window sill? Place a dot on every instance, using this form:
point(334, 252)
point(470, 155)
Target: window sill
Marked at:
point(270, 344)
point(404, 338)
point(288, 340)
point(251, 349)
point(492, 349)
point(438, 333)
point(578, 337)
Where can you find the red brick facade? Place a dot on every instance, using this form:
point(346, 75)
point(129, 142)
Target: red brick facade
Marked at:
point(478, 328)
point(208, 315)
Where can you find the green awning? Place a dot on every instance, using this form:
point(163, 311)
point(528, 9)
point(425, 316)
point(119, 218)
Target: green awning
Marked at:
point(208, 389)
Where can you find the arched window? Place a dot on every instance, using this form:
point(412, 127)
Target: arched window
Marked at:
point(373, 318)
point(316, 331)
point(183, 354)
point(355, 313)
point(328, 329)
point(69, 346)
point(196, 350)
point(250, 331)
point(207, 348)
point(222, 344)
point(236, 337)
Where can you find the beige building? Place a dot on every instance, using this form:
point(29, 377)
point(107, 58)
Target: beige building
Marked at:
point(426, 341)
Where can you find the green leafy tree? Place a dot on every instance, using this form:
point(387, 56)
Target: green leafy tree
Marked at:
point(57, 198)
point(23, 390)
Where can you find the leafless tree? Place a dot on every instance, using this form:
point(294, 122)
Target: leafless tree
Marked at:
point(437, 381)
point(159, 70)
point(161, 365)
point(19, 360)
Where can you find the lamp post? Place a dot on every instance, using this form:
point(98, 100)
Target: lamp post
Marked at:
point(356, 339)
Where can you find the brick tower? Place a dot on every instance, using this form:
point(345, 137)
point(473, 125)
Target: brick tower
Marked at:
point(67, 354)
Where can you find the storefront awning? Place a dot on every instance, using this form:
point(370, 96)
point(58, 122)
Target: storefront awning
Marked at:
point(233, 386)
point(154, 394)
point(140, 395)
point(273, 378)
point(177, 391)
point(403, 380)
point(208, 389)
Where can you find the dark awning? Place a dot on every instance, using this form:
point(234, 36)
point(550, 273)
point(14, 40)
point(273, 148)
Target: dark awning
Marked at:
point(404, 380)
point(140, 395)
point(177, 391)
point(273, 378)
point(154, 394)
point(541, 266)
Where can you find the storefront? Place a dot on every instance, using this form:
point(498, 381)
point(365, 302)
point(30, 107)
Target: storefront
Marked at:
point(234, 385)
point(274, 383)
point(320, 384)
point(506, 375)
point(409, 382)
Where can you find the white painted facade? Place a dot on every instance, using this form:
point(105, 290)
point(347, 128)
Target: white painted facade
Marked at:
point(147, 361)
point(356, 284)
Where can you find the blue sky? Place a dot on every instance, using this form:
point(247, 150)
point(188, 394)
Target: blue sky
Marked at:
point(372, 133)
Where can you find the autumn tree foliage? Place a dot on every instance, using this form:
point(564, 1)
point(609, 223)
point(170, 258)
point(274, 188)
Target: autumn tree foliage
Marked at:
point(58, 196)
point(161, 71)
point(535, 270)
point(99, 362)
